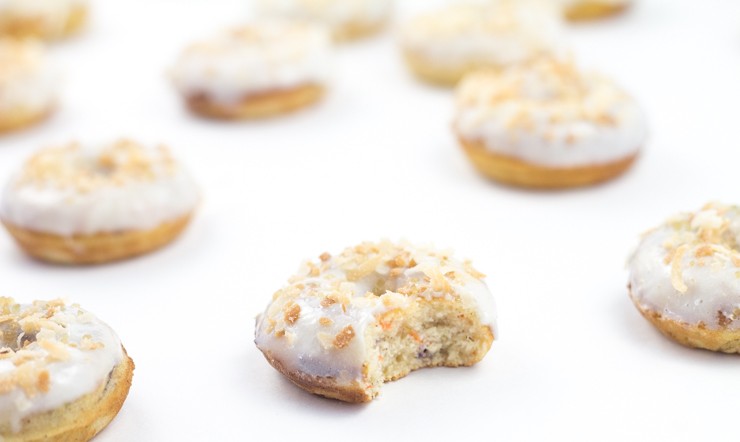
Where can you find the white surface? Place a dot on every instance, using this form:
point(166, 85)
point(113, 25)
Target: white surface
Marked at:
point(377, 159)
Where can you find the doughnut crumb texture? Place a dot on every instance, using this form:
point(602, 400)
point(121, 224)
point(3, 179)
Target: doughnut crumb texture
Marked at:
point(258, 70)
point(86, 204)
point(346, 324)
point(63, 373)
point(548, 125)
point(685, 278)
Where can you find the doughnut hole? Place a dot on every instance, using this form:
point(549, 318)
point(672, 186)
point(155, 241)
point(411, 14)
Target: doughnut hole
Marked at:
point(430, 333)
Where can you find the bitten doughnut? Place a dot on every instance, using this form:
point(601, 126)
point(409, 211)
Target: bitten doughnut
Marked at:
point(548, 125)
point(28, 84)
point(64, 374)
point(348, 323)
point(579, 10)
point(685, 278)
point(79, 204)
point(443, 45)
point(258, 70)
point(347, 19)
point(48, 19)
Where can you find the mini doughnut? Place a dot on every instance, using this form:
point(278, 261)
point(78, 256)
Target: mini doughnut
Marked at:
point(347, 19)
point(685, 278)
point(443, 45)
point(79, 204)
point(28, 84)
point(548, 125)
point(64, 374)
point(259, 70)
point(47, 19)
point(581, 10)
point(345, 325)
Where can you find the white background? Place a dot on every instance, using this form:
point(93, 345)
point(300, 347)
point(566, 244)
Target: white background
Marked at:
point(376, 159)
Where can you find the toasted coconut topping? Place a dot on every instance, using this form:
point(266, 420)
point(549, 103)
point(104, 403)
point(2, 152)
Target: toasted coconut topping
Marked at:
point(676, 263)
point(329, 315)
point(498, 33)
point(343, 338)
point(707, 232)
point(117, 164)
point(333, 299)
point(555, 89)
point(292, 314)
point(687, 269)
point(36, 335)
point(254, 59)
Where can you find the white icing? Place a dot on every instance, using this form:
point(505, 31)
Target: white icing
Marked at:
point(259, 58)
point(495, 34)
point(704, 285)
point(542, 117)
point(70, 379)
point(334, 13)
point(301, 350)
point(54, 14)
point(27, 81)
point(135, 204)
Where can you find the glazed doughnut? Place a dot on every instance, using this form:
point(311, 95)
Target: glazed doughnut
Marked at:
point(685, 278)
point(259, 70)
point(47, 19)
point(79, 204)
point(64, 374)
point(580, 10)
point(345, 325)
point(548, 125)
point(28, 84)
point(443, 45)
point(347, 19)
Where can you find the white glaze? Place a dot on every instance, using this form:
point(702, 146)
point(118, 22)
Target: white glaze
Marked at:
point(333, 13)
point(81, 373)
point(544, 117)
point(494, 33)
point(54, 14)
point(136, 204)
point(27, 81)
point(302, 348)
point(688, 286)
point(259, 58)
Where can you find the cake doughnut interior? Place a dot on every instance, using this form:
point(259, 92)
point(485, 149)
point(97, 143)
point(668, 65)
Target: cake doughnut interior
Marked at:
point(346, 324)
